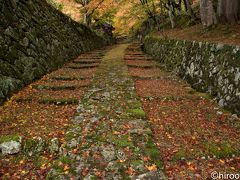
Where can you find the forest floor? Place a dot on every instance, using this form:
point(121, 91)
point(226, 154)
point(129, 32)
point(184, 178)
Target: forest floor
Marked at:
point(44, 109)
point(194, 135)
point(118, 114)
point(225, 34)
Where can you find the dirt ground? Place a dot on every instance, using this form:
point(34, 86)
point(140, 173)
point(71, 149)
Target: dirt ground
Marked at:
point(226, 34)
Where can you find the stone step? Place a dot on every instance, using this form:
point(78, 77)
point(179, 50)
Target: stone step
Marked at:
point(58, 88)
point(141, 66)
point(112, 129)
point(86, 62)
point(83, 67)
point(88, 58)
point(67, 78)
point(137, 58)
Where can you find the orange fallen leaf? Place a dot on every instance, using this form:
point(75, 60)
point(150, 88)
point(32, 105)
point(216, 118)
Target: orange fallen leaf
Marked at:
point(66, 168)
point(222, 161)
point(21, 162)
point(74, 151)
point(130, 171)
point(116, 133)
point(121, 161)
point(152, 167)
point(145, 159)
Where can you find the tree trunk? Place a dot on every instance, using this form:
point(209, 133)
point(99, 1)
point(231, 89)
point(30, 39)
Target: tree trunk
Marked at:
point(221, 10)
point(89, 19)
point(229, 11)
point(85, 14)
point(208, 16)
point(189, 10)
point(171, 19)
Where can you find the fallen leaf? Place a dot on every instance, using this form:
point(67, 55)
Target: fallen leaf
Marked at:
point(152, 167)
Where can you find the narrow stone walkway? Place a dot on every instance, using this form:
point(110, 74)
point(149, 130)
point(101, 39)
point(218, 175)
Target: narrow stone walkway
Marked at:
point(195, 136)
point(110, 136)
point(116, 114)
point(34, 121)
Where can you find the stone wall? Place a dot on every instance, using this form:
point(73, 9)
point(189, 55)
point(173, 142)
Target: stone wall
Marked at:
point(35, 38)
point(208, 67)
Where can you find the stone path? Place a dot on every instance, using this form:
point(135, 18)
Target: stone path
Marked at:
point(134, 121)
point(110, 135)
point(194, 135)
point(34, 121)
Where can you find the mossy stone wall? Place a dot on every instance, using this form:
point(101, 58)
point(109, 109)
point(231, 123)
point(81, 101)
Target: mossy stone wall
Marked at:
point(208, 67)
point(35, 38)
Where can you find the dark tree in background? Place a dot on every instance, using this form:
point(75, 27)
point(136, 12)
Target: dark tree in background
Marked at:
point(229, 10)
point(211, 12)
point(207, 13)
point(88, 8)
point(226, 11)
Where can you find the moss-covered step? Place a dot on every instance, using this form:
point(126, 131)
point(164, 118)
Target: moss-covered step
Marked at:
point(145, 66)
point(58, 101)
point(86, 62)
point(139, 59)
point(88, 58)
point(68, 78)
point(146, 77)
point(136, 56)
point(83, 66)
point(58, 88)
point(115, 136)
point(210, 150)
point(14, 144)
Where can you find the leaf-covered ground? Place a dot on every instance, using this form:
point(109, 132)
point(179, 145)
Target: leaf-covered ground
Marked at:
point(110, 126)
point(194, 135)
point(44, 109)
point(108, 137)
point(115, 139)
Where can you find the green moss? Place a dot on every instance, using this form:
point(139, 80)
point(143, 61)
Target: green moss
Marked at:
point(120, 141)
point(25, 100)
point(58, 168)
point(38, 161)
point(141, 66)
point(57, 88)
point(220, 151)
point(83, 66)
point(98, 139)
point(9, 138)
point(179, 155)
point(168, 128)
point(103, 113)
point(58, 101)
point(136, 163)
point(70, 135)
point(138, 113)
point(64, 78)
point(153, 152)
point(236, 124)
point(58, 6)
point(65, 160)
point(203, 95)
point(31, 145)
point(136, 104)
